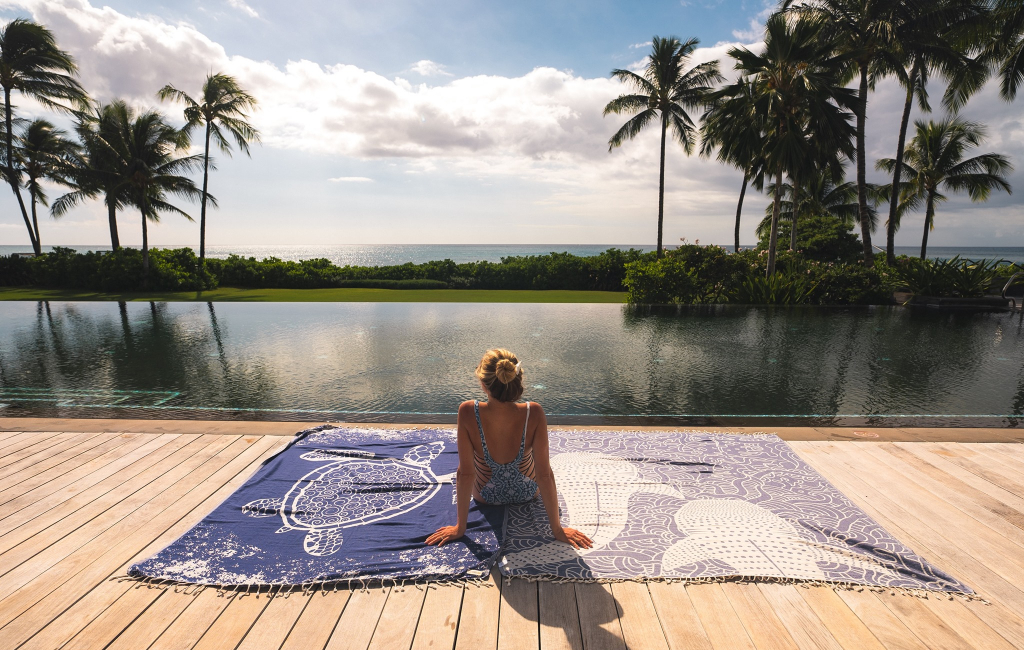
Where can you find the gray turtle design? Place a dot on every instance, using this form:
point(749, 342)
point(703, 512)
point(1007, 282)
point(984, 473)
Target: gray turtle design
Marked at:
point(343, 493)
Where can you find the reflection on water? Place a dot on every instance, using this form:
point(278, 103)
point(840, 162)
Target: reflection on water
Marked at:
point(585, 363)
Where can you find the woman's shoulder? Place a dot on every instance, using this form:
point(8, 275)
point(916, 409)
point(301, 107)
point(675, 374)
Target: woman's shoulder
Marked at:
point(535, 407)
point(467, 406)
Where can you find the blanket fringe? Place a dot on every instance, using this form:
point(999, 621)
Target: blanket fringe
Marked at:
point(797, 582)
point(365, 584)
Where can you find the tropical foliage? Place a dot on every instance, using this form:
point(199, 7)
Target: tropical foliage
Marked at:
point(664, 93)
point(935, 162)
point(221, 113)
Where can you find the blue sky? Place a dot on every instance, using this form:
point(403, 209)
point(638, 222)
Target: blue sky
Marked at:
point(457, 122)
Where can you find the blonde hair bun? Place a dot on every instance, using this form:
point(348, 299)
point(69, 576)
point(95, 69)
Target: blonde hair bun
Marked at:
point(501, 373)
point(505, 371)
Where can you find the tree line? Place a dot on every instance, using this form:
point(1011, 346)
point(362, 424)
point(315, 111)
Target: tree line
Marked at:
point(127, 157)
point(791, 117)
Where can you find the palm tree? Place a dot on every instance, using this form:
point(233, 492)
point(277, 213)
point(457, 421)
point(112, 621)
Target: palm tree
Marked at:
point(664, 91)
point(148, 169)
point(32, 64)
point(824, 195)
point(1006, 50)
point(937, 39)
point(797, 88)
point(935, 161)
point(44, 153)
point(732, 125)
point(862, 32)
point(95, 170)
point(224, 107)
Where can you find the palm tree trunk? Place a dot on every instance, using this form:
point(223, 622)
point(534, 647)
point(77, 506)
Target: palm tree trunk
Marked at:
point(202, 208)
point(35, 221)
point(773, 239)
point(11, 178)
point(796, 211)
point(115, 243)
point(894, 196)
point(929, 214)
point(145, 249)
point(862, 190)
point(739, 211)
point(661, 184)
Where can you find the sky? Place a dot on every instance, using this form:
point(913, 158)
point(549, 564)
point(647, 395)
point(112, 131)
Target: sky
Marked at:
point(459, 122)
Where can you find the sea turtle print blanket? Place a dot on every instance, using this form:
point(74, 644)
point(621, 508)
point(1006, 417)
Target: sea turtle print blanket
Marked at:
point(337, 505)
point(344, 504)
point(703, 506)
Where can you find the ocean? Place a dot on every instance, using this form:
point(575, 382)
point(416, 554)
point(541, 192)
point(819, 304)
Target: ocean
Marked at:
point(388, 254)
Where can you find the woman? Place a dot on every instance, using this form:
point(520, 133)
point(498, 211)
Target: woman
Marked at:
point(503, 450)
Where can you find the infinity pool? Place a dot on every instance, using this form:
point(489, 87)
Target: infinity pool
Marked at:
point(596, 364)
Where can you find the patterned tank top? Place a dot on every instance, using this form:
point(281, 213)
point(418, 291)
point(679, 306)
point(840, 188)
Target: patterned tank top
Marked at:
point(501, 483)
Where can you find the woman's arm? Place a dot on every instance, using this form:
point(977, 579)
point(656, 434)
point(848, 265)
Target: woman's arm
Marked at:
point(464, 479)
point(546, 483)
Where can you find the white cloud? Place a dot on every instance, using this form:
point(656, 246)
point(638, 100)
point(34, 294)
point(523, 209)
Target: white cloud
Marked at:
point(542, 130)
point(351, 179)
point(753, 33)
point(243, 7)
point(426, 68)
point(637, 46)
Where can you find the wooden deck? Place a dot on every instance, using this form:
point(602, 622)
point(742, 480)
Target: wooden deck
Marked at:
point(77, 508)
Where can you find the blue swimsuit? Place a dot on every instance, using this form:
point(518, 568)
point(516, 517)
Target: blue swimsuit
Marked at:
point(501, 483)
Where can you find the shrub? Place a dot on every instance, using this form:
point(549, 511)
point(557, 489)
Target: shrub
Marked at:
point(778, 289)
point(953, 277)
point(822, 238)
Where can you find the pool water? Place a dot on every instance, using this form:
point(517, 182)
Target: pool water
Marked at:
point(596, 364)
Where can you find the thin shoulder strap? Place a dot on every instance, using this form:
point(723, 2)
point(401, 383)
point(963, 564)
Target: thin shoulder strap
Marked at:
point(522, 445)
point(480, 428)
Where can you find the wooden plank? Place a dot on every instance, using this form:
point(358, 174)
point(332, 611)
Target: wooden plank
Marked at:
point(841, 621)
point(192, 624)
point(559, 617)
point(480, 606)
point(59, 514)
point(10, 438)
point(234, 622)
point(14, 444)
point(987, 545)
point(519, 627)
point(275, 622)
point(928, 627)
point(122, 616)
point(641, 629)
point(926, 538)
point(316, 623)
point(940, 460)
point(45, 447)
point(397, 624)
point(25, 563)
point(762, 625)
point(1008, 624)
point(679, 621)
point(885, 625)
point(599, 617)
point(724, 629)
point(25, 488)
point(958, 489)
point(357, 623)
point(154, 621)
point(964, 622)
point(151, 528)
point(986, 470)
point(804, 626)
point(939, 490)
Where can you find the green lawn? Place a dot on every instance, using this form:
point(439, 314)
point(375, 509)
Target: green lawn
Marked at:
point(229, 294)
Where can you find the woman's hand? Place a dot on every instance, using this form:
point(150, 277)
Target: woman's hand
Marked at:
point(446, 534)
point(574, 537)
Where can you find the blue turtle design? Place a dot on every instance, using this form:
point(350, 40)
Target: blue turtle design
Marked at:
point(348, 491)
